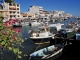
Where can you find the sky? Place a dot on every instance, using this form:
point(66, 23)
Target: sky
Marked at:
point(69, 6)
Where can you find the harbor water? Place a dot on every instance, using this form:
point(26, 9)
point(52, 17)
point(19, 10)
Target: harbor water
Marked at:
point(28, 45)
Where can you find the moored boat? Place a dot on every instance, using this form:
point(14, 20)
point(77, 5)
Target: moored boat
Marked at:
point(16, 25)
point(43, 35)
point(35, 23)
point(53, 52)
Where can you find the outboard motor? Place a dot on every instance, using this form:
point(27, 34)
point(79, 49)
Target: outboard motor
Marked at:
point(64, 33)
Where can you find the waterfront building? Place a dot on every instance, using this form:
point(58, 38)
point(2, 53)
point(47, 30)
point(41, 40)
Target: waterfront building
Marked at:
point(58, 13)
point(26, 15)
point(13, 9)
point(67, 15)
point(39, 12)
point(36, 10)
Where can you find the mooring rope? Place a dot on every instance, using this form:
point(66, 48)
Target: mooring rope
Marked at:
point(36, 48)
point(39, 45)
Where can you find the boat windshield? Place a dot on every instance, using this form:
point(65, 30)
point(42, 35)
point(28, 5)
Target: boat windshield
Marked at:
point(53, 30)
point(42, 30)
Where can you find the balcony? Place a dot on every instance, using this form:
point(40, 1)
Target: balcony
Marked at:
point(1, 10)
point(12, 7)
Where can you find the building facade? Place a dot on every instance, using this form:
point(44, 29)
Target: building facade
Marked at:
point(3, 13)
point(26, 15)
point(13, 10)
point(36, 10)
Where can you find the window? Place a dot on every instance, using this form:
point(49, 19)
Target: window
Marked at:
point(18, 15)
point(10, 12)
point(14, 12)
point(14, 15)
point(10, 16)
point(17, 8)
point(17, 5)
point(18, 12)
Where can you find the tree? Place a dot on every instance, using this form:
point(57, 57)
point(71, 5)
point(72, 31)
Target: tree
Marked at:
point(9, 1)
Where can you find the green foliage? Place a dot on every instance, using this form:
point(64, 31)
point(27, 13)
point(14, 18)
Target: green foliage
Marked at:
point(9, 1)
point(10, 40)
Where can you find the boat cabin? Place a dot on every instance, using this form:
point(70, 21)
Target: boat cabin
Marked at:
point(41, 32)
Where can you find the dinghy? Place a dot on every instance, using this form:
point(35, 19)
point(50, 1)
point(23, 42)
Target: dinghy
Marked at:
point(53, 51)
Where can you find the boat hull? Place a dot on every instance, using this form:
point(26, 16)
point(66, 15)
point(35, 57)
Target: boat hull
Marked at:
point(17, 25)
point(40, 39)
point(50, 55)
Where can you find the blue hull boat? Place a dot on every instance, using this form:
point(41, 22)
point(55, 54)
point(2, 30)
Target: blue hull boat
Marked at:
point(53, 51)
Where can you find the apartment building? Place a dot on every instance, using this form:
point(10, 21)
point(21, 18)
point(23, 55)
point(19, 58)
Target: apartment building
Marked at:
point(36, 10)
point(58, 13)
point(13, 9)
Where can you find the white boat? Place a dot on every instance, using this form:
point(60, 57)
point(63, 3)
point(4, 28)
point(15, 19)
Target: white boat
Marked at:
point(43, 35)
point(17, 24)
point(53, 52)
point(35, 23)
point(57, 25)
point(25, 23)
